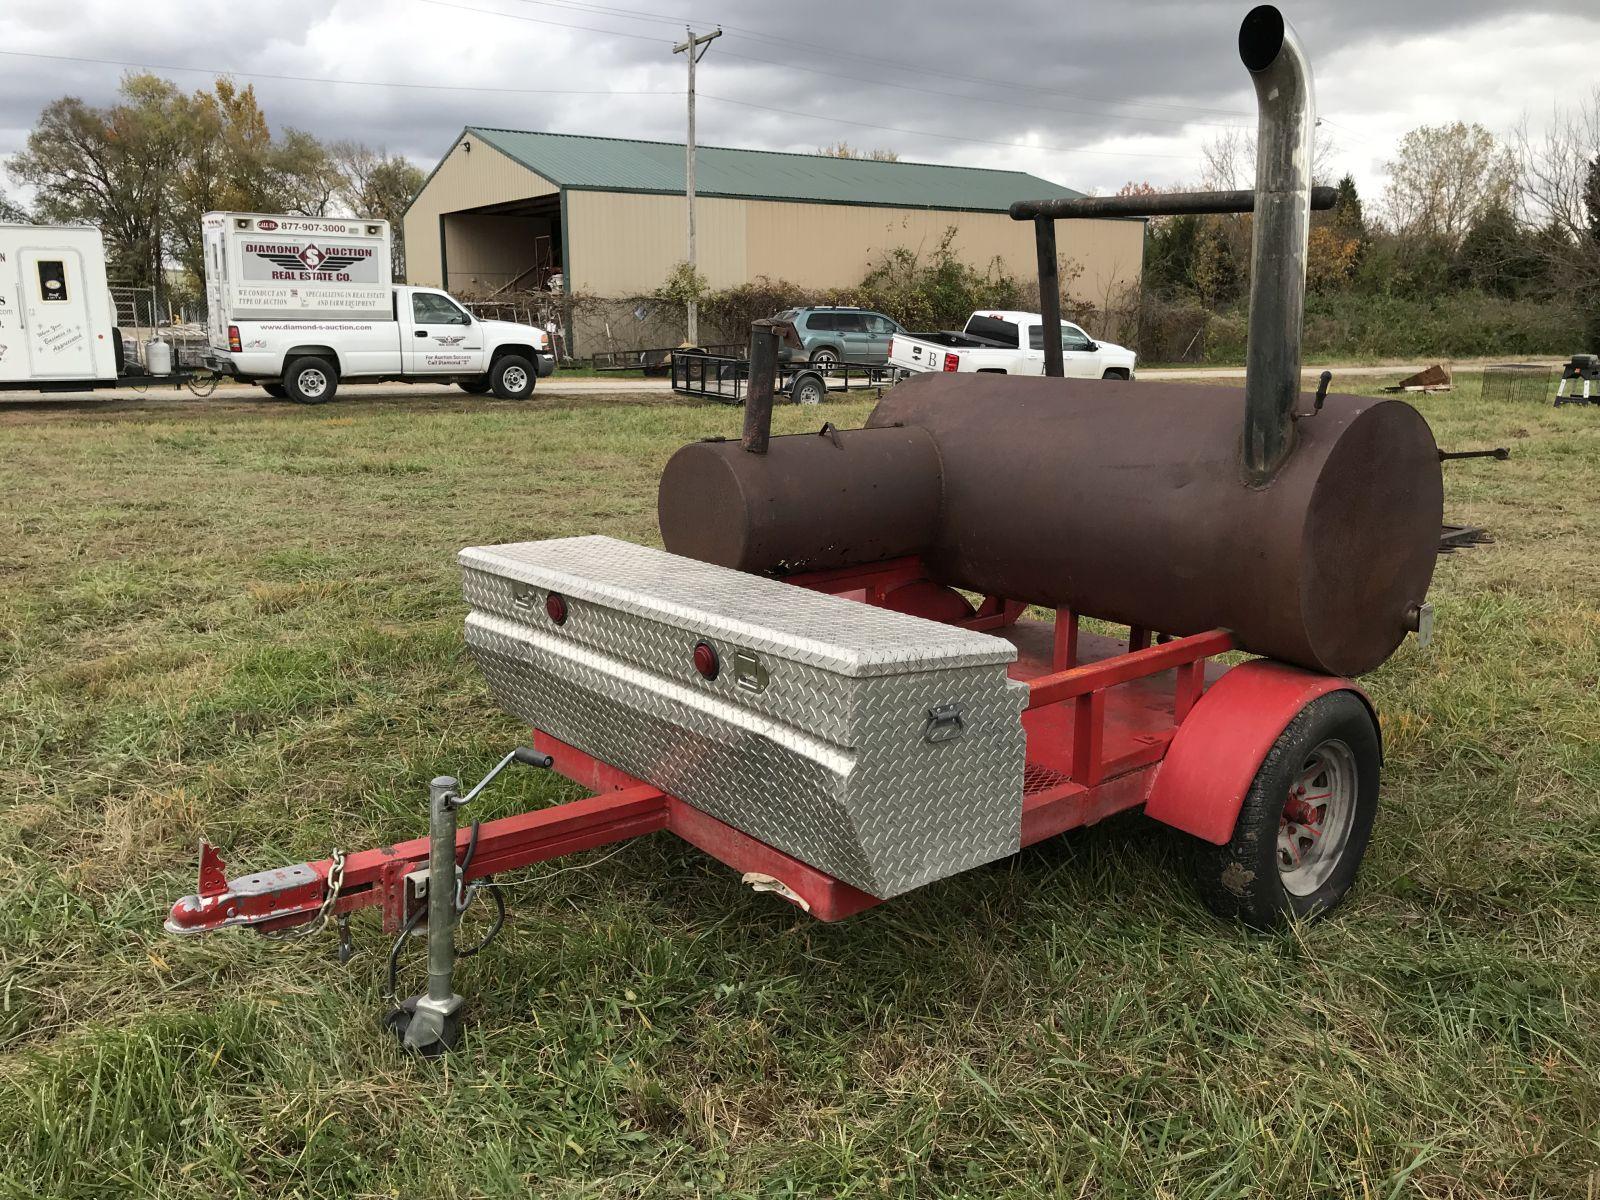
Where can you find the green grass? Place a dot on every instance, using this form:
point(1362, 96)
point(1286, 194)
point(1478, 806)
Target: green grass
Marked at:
point(243, 619)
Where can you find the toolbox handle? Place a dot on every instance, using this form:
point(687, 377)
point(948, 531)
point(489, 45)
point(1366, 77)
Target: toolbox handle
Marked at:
point(944, 724)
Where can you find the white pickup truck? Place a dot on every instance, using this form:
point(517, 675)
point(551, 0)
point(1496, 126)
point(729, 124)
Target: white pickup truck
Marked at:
point(297, 304)
point(1009, 343)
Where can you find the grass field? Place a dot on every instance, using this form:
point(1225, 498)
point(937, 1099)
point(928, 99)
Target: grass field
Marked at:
point(244, 620)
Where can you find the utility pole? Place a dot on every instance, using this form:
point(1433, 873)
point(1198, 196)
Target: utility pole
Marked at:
point(694, 49)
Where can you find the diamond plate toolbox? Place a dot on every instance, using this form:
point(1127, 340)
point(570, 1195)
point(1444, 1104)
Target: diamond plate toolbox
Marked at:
point(884, 749)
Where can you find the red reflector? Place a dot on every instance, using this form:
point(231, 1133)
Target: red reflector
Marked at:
point(555, 607)
point(951, 362)
point(705, 660)
point(234, 343)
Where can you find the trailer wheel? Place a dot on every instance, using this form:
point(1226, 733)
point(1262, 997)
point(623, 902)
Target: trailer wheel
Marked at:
point(808, 388)
point(310, 380)
point(275, 390)
point(1305, 822)
point(475, 387)
point(511, 377)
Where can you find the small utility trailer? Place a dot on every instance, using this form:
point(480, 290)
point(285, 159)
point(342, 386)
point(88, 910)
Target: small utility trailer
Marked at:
point(894, 745)
point(726, 377)
point(652, 362)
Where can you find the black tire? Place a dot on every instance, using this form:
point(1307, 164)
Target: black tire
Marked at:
point(310, 380)
point(808, 388)
point(825, 357)
point(1116, 373)
point(1253, 877)
point(275, 390)
point(512, 377)
point(475, 387)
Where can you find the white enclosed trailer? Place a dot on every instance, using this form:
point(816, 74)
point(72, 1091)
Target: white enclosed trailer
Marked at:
point(57, 320)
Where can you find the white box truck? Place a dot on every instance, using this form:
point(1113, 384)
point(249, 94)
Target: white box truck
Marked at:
point(57, 322)
point(298, 303)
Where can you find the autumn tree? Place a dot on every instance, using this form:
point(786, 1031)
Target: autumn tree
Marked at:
point(1560, 195)
point(843, 149)
point(1443, 178)
point(1215, 274)
point(146, 169)
point(111, 168)
point(374, 184)
point(1347, 218)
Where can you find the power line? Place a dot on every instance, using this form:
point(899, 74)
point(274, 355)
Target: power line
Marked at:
point(949, 137)
point(909, 87)
point(810, 116)
point(879, 63)
point(494, 12)
point(383, 83)
point(631, 14)
point(444, 87)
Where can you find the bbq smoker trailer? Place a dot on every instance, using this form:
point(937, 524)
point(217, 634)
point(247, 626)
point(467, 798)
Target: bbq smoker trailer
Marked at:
point(799, 685)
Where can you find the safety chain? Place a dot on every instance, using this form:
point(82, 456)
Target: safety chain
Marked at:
point(331, 897)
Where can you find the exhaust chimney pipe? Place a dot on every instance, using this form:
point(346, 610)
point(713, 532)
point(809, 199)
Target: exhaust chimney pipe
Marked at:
point(1284, 96)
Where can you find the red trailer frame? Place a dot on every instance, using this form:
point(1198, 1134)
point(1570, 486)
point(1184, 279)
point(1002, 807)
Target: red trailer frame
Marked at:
point(1101, 717)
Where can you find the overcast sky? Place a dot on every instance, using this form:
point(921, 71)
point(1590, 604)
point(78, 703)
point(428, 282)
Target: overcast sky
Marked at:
point(1088, 95)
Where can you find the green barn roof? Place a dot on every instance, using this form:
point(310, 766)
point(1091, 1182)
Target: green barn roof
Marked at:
point(626, 165)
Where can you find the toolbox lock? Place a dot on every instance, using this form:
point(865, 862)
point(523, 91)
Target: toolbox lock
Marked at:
point(944, 724)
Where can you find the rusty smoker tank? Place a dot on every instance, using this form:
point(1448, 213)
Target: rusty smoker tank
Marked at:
point(1178, 509)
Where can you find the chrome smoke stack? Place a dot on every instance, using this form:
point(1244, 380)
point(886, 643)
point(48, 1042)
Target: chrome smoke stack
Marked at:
point(1287, 105)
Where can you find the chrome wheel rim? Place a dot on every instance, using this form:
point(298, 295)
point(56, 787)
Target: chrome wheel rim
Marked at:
point(311, 382)
point(824, 358)
point(1317, 817)
point(514, 379)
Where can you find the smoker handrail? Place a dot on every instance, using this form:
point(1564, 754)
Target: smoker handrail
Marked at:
point(1162, 204)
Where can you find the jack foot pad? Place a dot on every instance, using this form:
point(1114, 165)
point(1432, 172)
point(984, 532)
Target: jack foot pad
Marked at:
point(427, 1028)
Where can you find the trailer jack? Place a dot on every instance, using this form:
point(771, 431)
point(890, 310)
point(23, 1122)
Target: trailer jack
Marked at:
point(430, 1023)
point(297, 900)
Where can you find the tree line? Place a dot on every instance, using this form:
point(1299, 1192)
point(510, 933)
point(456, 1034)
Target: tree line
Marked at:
point(146, 168)
point(1464, 213)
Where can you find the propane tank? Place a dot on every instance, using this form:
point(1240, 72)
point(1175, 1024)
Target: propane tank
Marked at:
point(157, 357)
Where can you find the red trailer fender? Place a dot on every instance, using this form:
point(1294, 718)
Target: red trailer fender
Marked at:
point(1202, 781)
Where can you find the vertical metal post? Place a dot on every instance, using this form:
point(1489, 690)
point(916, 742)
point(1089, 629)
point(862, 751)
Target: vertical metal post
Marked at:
point(762, 384)
point(433, 1024)
point(1064, 655)
point(690, 49)
point(1044, 229)
point(442, 888)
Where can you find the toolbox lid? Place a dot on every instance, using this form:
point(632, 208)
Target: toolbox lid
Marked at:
point(794, 623)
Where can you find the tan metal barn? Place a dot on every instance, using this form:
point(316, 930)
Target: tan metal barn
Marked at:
point(507, 209)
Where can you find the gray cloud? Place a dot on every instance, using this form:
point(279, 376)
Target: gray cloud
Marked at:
point(1136, 88)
